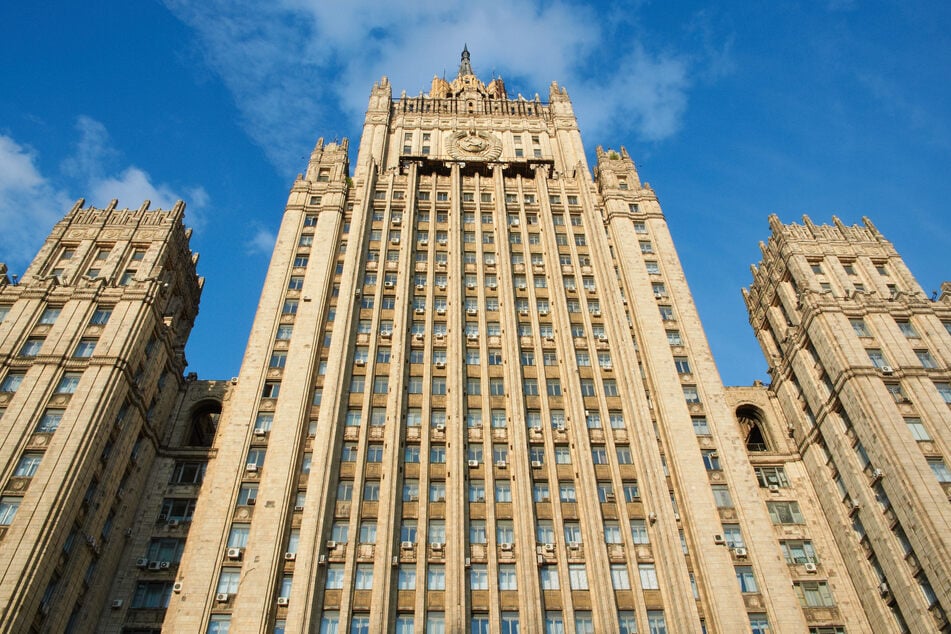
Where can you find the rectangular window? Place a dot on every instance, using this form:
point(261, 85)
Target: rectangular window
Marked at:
point(785, 513)
point(813, 594)
point(67, 384)
point(648, 576)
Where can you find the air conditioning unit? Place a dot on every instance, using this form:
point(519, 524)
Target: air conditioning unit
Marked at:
point(472, 337)
point(472, 311)
point(142, 562)
point(406, 545)
point(522, 287)
point(153, 565)
point(418, 336)
point(397, 221)
point(543, 313)
point(234, 553)
point(887, 370)
point(260, 432)
point(549, 337)
point(387, 334)
point(501, 464)
point(877, 475)
point(282, 601)
point(440, 311)
point(222, 597)
point(854, 508)
point(442, 287)
point(473, 463)
point(423, 242)
point(507, 547)
point(290, 556)
point(537, 464)
point(443, 242)
point(574, 545)
point(395, 240)
point(608, 497)
point(810, 567)
point(440, 364)
point(471, 286)
point(513, 222)
point(420, 287)
point(602, 338)
point(331, 545)
point(741, 553)
point(177, 587)
point(173, 523)
point(116, 604)
point(436, 547)
point(883, 589)
point(441, 265)
point(388, 285)
point(659, 296)
point(299, 508)
point(440, 427)
point(523, 312)
point(596, 313)
point(549, 548)
point(360, 362)
point(652, 517)
point(165, 565)
point(251, 466)
point(718, 539)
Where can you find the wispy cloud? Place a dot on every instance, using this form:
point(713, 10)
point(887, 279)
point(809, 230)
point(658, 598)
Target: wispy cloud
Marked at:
point(296, 67)
point(261, 243)
point(30, 203)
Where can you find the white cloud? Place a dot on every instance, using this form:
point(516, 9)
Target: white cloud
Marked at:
point(261, 243)
point(295, 65)
point(29, 205)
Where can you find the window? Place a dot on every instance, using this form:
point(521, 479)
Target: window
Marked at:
point(666, 313)
point(507, 577)
point(682, 364)
point(566, 492)
point(876, 357)
point(944, 389)
point(917, 429)
point(744, 576)
point(188, 473)
point(8, 509)
point(31, 347)
point(49, 316)
point(28, 465)
point(284, 332)
point(577, 577)
point(813, 594)
point(367, 532)
point(797, 551)
point(940, 469)
point(612, 532)
point(907, 329)
point(11, 382)
point(785, 512)
point(690, 394)
point(926, 360)
point(272, 389)
point(721, 494)
point(67, 384)
point(771, 476)
point(759, 623)
point(49, 422)
point(648, 576)
point(406, 578)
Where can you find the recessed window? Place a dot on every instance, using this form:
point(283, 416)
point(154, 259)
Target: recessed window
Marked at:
point(85, 348)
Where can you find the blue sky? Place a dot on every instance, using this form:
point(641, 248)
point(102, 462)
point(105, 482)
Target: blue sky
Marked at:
point(839, 107)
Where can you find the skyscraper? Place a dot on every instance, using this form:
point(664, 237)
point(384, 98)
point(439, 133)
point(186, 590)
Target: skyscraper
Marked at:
point(476, 396)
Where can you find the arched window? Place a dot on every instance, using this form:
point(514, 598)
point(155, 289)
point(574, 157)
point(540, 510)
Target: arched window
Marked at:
point(204, 422)
point(751, 422)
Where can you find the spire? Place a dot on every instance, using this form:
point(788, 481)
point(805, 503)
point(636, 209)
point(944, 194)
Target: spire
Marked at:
point(465, 68)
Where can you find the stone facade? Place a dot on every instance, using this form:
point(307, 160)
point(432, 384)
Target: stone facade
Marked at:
point(476, 396)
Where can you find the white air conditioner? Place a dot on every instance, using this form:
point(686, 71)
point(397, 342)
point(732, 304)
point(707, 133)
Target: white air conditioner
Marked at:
point(331, 545)
point(263, 432)
point(877, 475)
point(810, 567)
point(387, 334)
point(537, 464)
point(854, 508)
point(501, 464)
point(442, 287)
point(514, 222)
point(234, 553)
point(406, 545)
point(774, 488)
point(222, 597)
point(574, 545)
point(153, 565)
point(522, 287)
point(883, 589)
point(887, 370)
point(471, 286)
point(507, 547)
point(473, 463)
point(523, 312)
point(397, 221)
point(282, 601)
point(440, 364)
point(141, 563)
point(543, 313)
point(420, 287)
point(472, 337)
point(395, 240)
point(116, 604)
point(440, 427)
point(437, 547)
point(472, 311)
point(718, 539)
point(418, 336)
point(741, 553)
point(299, 508)
point(549, 548)
point(251, 466)
point(602, 338)
point(441, 265)
point(443, 242)
point(165, 565)
point(440, 311)
point(596, 313)
point(290, 556)
point(177, 587)
point(388, 284)
point(174, 523)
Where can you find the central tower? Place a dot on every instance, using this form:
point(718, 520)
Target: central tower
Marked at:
point(477, 397)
